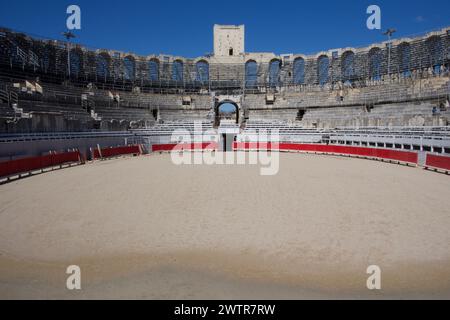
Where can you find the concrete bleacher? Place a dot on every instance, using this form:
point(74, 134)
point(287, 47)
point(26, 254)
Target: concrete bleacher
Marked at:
point(376, 92)
point(167, 128)
point(173, 131)
point(183, 115)
point(120, 113)
point(69, 111)
point(87, 106)
point(409, 102)
point(287, 131)
point(344, 106)
point(432, 139)
point(395, 114)
point(6, 111)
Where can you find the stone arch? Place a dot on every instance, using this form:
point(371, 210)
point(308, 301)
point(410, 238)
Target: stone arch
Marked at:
point(202, 71)
point(76, 62)
point(299, 71)
point(153, 69)
point(274, 72)
point(102, 65)
point(218, 102)
point(375, 63)
point(323, 66)
point(435, 52)
point(129, 68)
point(251, 74)
point(177, 70)
point(404, 58)
point(48, 58)
point(348, 66)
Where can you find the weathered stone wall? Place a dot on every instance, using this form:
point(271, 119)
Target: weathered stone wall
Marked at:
point(226, 38)
point(44, 122)
point(406, 55)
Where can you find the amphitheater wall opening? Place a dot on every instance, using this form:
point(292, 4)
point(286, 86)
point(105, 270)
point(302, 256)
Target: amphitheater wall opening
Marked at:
point(227, 110)
point(227, 119)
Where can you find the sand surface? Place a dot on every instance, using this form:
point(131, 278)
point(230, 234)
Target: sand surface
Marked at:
point(145, 228)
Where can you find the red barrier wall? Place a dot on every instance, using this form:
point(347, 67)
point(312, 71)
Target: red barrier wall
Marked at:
point(438, 162)
point(117, 151)
point(13, 167)
point(185, 146)
point(403, 156)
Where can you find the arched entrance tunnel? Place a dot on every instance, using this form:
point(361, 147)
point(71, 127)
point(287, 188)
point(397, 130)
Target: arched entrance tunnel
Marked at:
point(227, 109)
point(227, 122)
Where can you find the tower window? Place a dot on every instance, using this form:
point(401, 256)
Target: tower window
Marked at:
point(230, 51)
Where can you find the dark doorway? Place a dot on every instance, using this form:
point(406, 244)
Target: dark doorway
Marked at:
point(300, 114)
point(227, 142)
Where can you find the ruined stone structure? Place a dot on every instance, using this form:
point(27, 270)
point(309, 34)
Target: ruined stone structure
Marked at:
point(229, 41)
point(402, 83)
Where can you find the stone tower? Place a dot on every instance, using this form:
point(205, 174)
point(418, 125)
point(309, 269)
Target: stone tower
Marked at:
point(228, 40)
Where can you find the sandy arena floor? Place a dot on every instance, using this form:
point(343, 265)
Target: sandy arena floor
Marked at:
point(145, 228)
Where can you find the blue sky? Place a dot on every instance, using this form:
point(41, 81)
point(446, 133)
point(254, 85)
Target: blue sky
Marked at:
point(185, 27)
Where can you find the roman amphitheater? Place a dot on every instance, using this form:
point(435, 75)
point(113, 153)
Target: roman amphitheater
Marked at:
point(361, 137)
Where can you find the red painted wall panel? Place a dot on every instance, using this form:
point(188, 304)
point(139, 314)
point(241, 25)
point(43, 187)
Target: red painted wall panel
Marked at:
point(117, 151)
point(440, 162)
point(404, 156)
point(185, 146)
point(12, 167)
